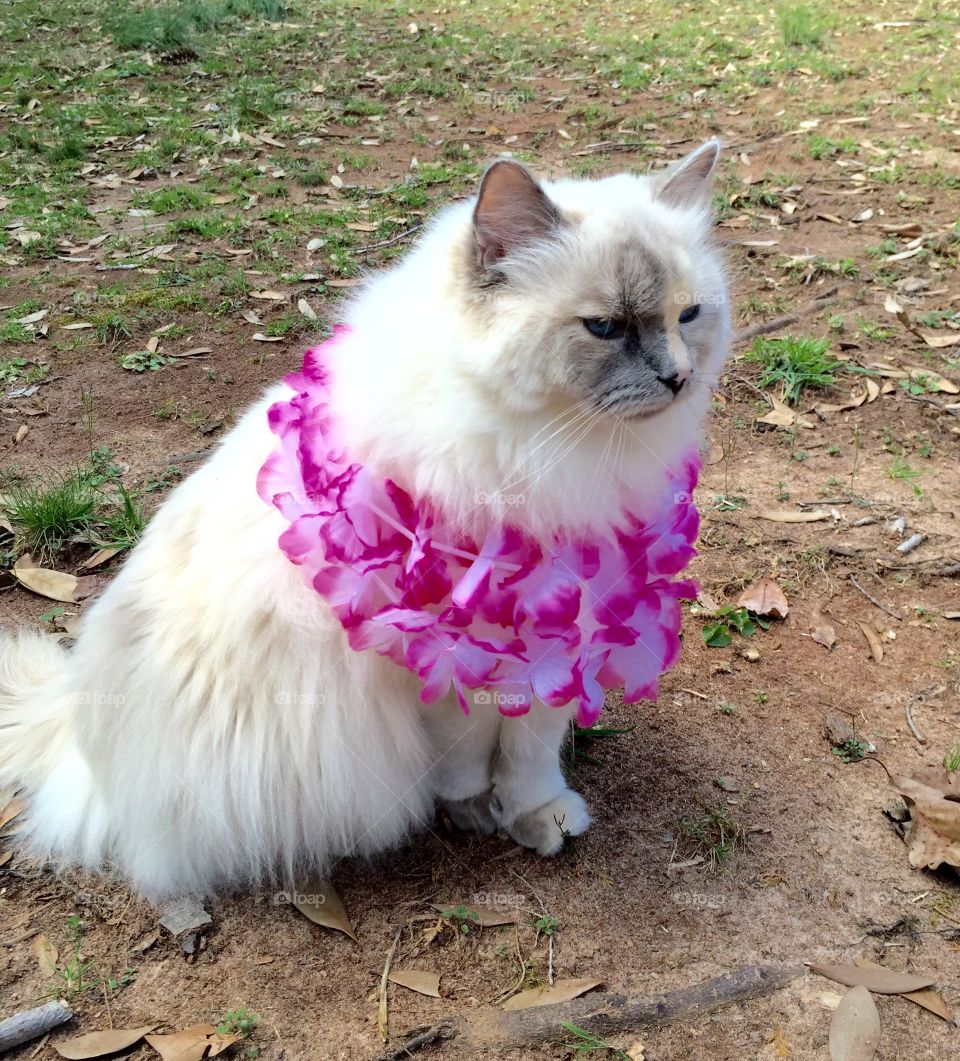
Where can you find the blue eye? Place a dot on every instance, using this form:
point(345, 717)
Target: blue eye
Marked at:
point(690, 313)
point(604, 328)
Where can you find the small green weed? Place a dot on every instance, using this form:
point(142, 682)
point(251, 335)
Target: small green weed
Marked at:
point(462, 919)
point(951, 759)
point(49, 511)
point(727, 621)
point(242, 1022)
point(802, 25)
point(714, 835)
point(585, 1043)
point(795, 364)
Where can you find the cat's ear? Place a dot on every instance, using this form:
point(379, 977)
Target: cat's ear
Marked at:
point(687, 182)
point(512, 210)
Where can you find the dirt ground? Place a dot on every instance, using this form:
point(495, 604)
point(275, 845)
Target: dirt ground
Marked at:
point(831, 149)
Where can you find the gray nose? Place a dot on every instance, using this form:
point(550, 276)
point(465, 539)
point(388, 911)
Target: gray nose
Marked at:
point(674, 382)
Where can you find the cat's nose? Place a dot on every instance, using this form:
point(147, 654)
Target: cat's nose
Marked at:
point(676, 381)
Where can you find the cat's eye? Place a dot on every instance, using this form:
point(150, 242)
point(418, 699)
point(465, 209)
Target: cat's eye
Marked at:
point(605, 327)
point(689, 314)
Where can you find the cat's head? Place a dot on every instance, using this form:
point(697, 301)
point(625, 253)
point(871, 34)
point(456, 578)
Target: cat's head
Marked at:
point(607, 292)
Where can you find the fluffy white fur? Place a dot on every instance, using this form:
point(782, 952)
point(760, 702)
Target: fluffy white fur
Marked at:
point(211, 728)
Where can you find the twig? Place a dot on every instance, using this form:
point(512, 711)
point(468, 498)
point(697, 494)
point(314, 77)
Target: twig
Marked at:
point(600, 1014)
point(874, 601)
point(924, 400)
point(913, 728)
point(382, 1017)
point(399, 238)
point(616, 145)
point(765, 327)
point(32, 1023)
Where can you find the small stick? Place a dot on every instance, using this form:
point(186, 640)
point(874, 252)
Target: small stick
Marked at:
point(765, 327)
point(382, 1017)
point(911, 724)
point(388, 242)
point(32, 1023)
point(874, 601)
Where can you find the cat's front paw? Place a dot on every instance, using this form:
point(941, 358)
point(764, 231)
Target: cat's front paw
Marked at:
point(472, 814)
point(545, 828)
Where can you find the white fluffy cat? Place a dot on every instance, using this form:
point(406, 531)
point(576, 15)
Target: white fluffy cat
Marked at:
point(212, 728)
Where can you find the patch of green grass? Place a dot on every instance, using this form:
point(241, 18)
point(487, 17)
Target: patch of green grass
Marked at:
point(802, 25)
point(795, 364)
point(851, 750)
point(714, 835)
point(49, 511)
point(144, 361)
point(823, 147)
point(178, 26)
point(951, 759)
point(173, 199)
point(585, 1043)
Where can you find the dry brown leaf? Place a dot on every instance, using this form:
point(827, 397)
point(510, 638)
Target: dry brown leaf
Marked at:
point(12, 810)
point(100, 557)
point(319, 902)
point(259, 337)
point(933, 834)
point(764, 598)
point(479, 915)
point(22, 432)
point(856, 400)
point(188, 1045)
point(822, 631)
point(781, 415)
point(195, 351)
point(419, 980)
point(938, 342)
point(813, 516)
point(46, 954)
point(881, 981)
point(99, 1044)
point(855, 1028)
point(55, 585)
point(353, 282)
point(926, 998)
point(269, 296)
point(873, 640)
point(306, 309)
point(250, 317)
point(549, 995)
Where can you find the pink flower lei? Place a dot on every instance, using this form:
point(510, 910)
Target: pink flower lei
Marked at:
point(516, 617)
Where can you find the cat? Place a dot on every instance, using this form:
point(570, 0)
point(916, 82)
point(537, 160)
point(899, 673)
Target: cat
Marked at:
point(542, 347)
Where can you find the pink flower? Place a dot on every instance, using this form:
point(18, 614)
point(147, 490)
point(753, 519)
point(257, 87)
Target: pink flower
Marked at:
point(561, 620)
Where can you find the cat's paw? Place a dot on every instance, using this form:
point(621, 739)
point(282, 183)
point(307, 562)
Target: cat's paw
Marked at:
point(545, 828)
point(472, 814)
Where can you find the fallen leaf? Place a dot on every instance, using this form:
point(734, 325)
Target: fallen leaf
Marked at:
point(32, 318)
point(186, 913)
point(344, 283)
point(306, 309)
point(813, 516)
point(259, 337)
point(873, 640)
point(101, 556)
point(855, 1028)
point(99, 1044)
point(881, 981)
point(417, 980)
point(77, 326)
point(319, 902)
point(250, 317)
point(480, 915)
point(46, 954)
point(764, 598)
point(269, 296)
point(22, 432)
point(195, 351)
point(12, 810)
point(821, 630)
point(938, 342)
point(264, 959)
point(933, 832)
point(926, 998)
point(549, 995)
point(189, 1045)
point(146, 941)
point(55, 585)
point(781, 415)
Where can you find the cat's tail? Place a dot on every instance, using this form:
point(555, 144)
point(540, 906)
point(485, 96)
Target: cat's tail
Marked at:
point(33, 726)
